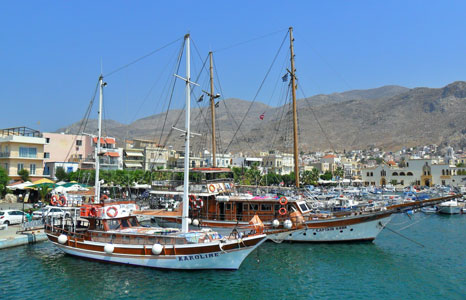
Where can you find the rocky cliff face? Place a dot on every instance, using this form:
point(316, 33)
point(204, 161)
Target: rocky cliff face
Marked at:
point(389, 117)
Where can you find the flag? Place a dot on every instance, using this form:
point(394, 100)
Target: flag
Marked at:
point(285, 77)
point(201, 98)
point(262, 116)
point(217, 104)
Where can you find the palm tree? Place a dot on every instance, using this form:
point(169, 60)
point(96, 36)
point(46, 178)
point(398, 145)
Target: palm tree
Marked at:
point(43, 190)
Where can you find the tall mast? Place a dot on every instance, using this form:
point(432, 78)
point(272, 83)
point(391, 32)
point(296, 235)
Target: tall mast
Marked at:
point(212, 110)
point(295, 114)
point(184, 223)
point(99, 135)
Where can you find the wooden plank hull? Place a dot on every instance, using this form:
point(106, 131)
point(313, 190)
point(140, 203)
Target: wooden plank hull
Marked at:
point(212, 255)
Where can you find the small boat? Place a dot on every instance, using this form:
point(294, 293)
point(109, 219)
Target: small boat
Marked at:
point(449, 207)
point(429, 210)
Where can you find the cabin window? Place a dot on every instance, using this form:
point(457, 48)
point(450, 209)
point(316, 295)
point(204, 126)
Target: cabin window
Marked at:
point(254, 207)
point(125, 223)
point(228, 206)
point(133, 222)
point(113, 224)
point(266, 207)
point(125, 239)
point(303, 207)
point(245, 207)
point(277, 207)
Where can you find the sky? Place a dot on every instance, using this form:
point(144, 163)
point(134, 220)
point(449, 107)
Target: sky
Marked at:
point(52, 52)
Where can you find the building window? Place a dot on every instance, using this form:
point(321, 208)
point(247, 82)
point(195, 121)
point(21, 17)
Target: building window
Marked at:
point(20, 167)
point(27, 152)
point(32, 169)
point(47, 140)
point(46, 154)
point(79, 142)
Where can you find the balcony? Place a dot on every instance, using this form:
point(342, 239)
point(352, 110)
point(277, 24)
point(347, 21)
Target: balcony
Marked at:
point(5, 154)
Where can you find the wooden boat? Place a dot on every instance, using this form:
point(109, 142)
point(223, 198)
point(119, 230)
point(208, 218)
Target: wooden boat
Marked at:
point(113, 235)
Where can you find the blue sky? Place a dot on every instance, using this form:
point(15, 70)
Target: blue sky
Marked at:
point(51, 51)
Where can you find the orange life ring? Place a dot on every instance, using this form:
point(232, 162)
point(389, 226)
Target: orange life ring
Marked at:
point(93, 212)
point(54, 200)
point(112, 214)
point(212, 188)
point(103, 197)
point(283, 200)
point(192, 198)
point(62, 200)
point(282, 211)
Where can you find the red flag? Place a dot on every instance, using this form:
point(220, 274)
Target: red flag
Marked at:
point(262, 116)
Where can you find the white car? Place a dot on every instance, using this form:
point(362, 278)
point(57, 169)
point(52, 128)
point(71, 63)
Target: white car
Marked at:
point(11, 216)
point(50, 211)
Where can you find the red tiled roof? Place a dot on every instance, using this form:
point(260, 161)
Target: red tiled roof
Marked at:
point(105, 141)
point(329, 156)
point(112, 154)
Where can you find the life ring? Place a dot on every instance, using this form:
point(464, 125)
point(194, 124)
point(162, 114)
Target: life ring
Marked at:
point(93, 212)
point(212, 188)
point(110, 213)
point(192, 199)
point(103, 197)
point(54, 200)
point(282, 211)
point(62, 200)
point(283, 200)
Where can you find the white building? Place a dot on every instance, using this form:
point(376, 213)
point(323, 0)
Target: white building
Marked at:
point(425, 172)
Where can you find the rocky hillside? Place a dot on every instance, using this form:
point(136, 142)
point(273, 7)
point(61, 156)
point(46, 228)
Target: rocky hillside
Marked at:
point(389, 117)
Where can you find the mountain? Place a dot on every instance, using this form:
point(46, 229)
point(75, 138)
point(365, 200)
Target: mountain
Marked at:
point(389, 117)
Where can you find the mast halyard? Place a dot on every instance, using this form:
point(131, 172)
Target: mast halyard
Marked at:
point(295, 114)
point(184, 223)
point(212, 111)
point(99, 136)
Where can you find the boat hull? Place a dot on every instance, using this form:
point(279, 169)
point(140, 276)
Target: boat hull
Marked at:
point(449, 209)
point(228, 256)
point(337, 231)
point(345, 229)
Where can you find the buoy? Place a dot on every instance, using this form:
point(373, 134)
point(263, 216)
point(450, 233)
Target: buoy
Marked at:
point(62, 239)
point(189, 221)
point(287, 224)
point(109, 248)
point(283, 200)
point(275, 223)
point(196, 222)
point(157, 249)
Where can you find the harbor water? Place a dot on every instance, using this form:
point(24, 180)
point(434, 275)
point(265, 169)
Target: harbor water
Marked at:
point(432, 265)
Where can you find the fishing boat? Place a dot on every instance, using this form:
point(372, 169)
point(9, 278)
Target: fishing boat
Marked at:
point(106, 230)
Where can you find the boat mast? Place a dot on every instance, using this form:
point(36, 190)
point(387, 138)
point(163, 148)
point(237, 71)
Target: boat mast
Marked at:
point(184, 223)
point(295, 114)
point(212, 111)
point(99, 135)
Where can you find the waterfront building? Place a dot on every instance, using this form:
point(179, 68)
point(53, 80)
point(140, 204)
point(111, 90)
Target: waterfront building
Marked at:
point(22, 148)
point(110, 157)
point(223, 160)
point(424, 172)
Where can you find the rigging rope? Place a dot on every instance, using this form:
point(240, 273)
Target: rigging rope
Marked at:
point(142, 57)
point(251, 40)
point(258, 91)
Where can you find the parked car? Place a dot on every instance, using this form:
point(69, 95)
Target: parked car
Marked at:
point(11, 216)
point(50, 211)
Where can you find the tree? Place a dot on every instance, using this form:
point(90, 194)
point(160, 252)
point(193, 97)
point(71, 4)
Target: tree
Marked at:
point(24, 174)
point(460, 165)
point(339, 172)
point(326, 176)
point(61, 174)
point(43, 190)
point(394, 182)
point(4, 179)
point(379, 160)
